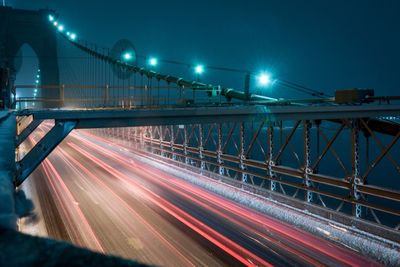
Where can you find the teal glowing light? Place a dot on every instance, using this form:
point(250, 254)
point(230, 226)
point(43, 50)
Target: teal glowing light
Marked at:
point(127, 56)
point(72, 36)
point(61, 28)
point(37, 81)
point(264, 79)
point(55, 23)
point(51, 17)
point(153, 61)
point(199, 69)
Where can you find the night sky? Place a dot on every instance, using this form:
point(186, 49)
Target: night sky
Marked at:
point(325, 45)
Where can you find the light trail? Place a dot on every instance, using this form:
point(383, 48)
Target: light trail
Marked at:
point(50, 171)
point(294, 236)
point(91, 169)
point(180, 214)
point(88, 228)
point(125, 204)
point(158, 232)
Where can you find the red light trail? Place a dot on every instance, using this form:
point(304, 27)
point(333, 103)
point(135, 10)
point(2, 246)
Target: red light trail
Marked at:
point(88, 177)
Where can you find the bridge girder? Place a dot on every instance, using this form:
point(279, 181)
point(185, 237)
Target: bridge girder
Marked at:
point(108, 118)
point(42, 149)
point(21, 137)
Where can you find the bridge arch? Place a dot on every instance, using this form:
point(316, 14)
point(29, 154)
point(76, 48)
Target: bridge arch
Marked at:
point(19, 27)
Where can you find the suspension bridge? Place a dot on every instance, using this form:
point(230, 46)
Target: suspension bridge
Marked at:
point(335, 157)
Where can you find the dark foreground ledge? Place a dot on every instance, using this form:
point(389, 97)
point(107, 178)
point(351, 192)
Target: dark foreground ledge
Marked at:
point(17, 249)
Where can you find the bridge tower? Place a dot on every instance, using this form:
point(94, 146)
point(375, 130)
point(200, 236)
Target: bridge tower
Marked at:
point(19, 27)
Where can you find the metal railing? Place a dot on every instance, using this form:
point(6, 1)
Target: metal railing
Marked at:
point(345, 165)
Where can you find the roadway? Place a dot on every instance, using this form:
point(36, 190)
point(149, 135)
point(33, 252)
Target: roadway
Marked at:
point(88, 193)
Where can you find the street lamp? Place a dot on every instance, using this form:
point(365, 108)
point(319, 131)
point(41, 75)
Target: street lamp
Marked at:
point(264, 79)
point(72, 36)
point(153, 61)
point(199, 69)
point(127, 56)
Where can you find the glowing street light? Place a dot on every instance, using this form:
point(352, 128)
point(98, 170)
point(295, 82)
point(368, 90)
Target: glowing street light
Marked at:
point(51, 17)
point(264, 79)
point(55, 23)
point(199, 69)
point(61, 28)
point(72, 36)
point(127, 56)
point(153, 61)
point(37, 76)
point(37, 81)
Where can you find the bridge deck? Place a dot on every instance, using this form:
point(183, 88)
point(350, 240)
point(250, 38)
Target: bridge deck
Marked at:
point(105, 118)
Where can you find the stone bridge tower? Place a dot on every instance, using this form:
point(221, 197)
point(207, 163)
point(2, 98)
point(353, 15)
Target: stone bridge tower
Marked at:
point(19, 27)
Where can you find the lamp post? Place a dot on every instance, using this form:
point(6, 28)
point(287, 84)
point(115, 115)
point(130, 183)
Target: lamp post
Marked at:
point(199, 69)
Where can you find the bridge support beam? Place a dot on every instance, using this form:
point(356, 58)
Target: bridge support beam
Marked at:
point(307, 160)
point(221, 169)
point(161, 131)
point(270, 159)
point(356, 170)
point(27, 131)
point(242, 153)
point(201, 147)
point(172, 143)
point(185, 144)
point(42, 149)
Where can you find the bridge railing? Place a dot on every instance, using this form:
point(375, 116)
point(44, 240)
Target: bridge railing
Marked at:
point(112, 96)
point(344, 166)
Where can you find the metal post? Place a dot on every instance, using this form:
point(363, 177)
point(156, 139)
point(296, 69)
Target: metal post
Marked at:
point(318, 124)
point(151, 139)
point(307, 159)
point(160, 132)
point(221, 169)
point(271, 162)
point(355, 161)
point(172, 143)
point(201, 148)
point(242, 152)
point(62, 92)
point(185, 144)
point(107, 95)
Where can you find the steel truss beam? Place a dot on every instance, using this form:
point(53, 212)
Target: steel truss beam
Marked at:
point(234, 152)
point(107, 118)
point(42, 149)
point(27, 131)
